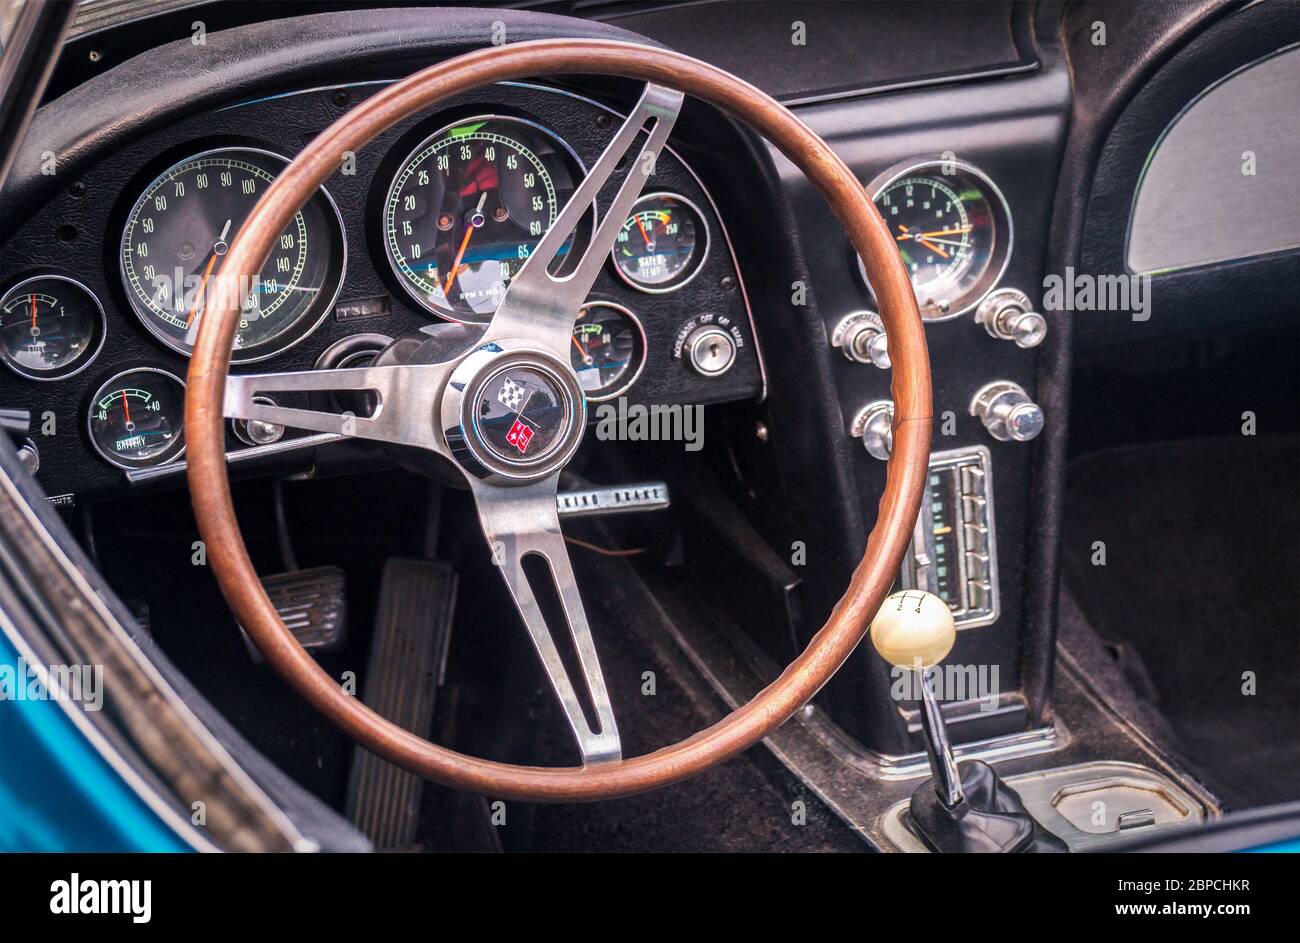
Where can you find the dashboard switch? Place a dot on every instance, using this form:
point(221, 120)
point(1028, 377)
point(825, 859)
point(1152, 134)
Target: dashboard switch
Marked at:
point(712, 350)
point(874, 424)
point(258, 431)
point(861, 336)
point(1009, 315)
point(29, 456)
point(1007, 412)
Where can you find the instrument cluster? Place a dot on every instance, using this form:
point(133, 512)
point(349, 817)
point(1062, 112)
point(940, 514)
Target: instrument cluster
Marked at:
point(431, 224)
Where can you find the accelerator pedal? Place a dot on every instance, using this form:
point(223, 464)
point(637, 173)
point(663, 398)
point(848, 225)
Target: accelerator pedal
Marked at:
point(313, 604)
point(412, 630)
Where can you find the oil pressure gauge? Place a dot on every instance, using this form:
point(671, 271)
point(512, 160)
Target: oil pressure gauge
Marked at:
point(136, 418)
point(608, 350)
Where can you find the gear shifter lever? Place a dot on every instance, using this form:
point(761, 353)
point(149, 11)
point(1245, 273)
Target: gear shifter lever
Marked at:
point(914, 631)
point(970, 810)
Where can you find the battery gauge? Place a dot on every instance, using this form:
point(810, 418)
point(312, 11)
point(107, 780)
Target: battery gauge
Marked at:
point(136, 419)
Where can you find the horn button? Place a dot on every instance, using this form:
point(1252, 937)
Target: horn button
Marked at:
point(513, 415)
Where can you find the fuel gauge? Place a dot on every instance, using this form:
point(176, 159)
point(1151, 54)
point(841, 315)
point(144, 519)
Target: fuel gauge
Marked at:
point(51, 327)
point(136, 419)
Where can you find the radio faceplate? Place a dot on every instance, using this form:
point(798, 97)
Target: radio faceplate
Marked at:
point(953, 553)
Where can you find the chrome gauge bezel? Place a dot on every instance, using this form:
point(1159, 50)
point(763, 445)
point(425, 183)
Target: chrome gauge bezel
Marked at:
point(111, 381)
point(1004, 241)
point(634, 375)
point(82, 362)
point(702, 248)
point(456, 317)
point(296, 332)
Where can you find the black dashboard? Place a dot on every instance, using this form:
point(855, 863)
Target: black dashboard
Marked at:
point(119, 260)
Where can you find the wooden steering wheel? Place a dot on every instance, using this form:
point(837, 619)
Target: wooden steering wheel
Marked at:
point(434, 404)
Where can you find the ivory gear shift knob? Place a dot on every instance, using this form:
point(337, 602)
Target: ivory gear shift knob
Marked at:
point(913, 629)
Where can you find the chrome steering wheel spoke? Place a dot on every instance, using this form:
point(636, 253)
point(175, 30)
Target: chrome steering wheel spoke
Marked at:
point(405, 402)
point(521, 524)
point(510, 412)
point(542, 307)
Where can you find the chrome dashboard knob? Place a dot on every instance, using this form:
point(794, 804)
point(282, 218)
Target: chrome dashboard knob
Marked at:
point(861, 336)
point(874, 424)
point(1007, 412)
point(258, 431)
point(1008, 315)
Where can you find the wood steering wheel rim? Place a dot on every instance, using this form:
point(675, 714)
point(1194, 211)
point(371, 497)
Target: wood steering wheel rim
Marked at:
point(899, 504)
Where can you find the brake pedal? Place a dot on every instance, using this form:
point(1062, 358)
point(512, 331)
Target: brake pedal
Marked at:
point(412, 631)
point(313, 604)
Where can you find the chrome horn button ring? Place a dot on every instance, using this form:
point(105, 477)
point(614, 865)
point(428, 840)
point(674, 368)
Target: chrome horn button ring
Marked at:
point(513, 413)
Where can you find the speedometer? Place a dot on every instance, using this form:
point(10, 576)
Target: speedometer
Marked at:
point(952, 228)
point(467, 208)
point(182, 225)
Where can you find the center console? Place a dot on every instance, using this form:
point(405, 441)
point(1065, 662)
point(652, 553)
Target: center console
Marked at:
point(965, 182)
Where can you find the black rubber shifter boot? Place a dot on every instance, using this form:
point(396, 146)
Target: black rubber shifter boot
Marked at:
point(991, 817)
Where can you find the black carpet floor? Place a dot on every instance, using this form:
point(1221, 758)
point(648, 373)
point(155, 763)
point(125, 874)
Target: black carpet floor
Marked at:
point(1200, 595)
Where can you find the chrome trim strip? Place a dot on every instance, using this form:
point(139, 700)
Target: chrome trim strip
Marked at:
point(613, 499)
point(903, 766)
point(134, 782)
point(139, 476)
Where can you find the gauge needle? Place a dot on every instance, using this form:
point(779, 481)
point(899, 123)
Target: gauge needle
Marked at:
point(126, 408)
point(464, 244)
point(586, 357)
point(198, 299)
point(931, 233)
point(931, 246)
point(33, 312)
point(649, 244)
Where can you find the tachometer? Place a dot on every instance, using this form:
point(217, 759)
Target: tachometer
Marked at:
point(137, 417)
point(952, 228)
point(467, 208)
point(51, 326)
point(181, 226)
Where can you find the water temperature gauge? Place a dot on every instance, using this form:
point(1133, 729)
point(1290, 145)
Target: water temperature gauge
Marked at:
point(662, 244)
point(136, 419)
point(51, 327)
